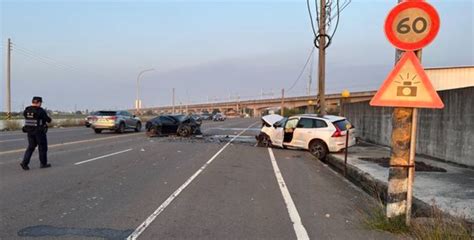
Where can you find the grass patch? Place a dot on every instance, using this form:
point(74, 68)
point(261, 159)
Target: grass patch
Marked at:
point(438, 226)
point(12, 125)
point(376, 220)
point(68, 122)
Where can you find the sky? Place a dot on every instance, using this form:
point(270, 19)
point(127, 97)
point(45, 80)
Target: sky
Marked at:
point(85, 54)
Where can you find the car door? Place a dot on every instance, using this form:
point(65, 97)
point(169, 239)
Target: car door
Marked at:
point(303, 131)
point(277, 132)
point(166, 124)
point(128, 119)
point(174, 126)
point(288, 131)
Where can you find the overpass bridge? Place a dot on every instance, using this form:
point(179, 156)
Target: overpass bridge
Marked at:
point(257, 107)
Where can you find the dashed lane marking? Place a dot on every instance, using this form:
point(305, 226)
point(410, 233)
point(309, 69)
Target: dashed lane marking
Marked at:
point(142, 227)
point(71, 143)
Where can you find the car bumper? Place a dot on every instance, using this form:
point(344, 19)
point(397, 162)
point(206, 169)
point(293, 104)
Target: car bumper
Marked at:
point(104, 126)
point(340, 144)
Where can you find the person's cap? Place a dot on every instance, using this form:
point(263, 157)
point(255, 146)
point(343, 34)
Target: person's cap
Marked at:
point(37, 99)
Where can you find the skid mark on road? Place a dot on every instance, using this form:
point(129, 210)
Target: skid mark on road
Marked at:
point(140, 229)
point(290, 205)
point(51, 231)
point(104, 156)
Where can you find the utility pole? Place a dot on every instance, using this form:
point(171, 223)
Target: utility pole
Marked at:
point(282, 112)
point(8, 77)
point(173, 100)
point(322, 58)
point(399, 193)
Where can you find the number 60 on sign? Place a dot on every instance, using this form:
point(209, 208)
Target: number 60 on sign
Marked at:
point(412, 25)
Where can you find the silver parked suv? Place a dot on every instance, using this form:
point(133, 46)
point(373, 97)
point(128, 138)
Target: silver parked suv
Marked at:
point(117, 121)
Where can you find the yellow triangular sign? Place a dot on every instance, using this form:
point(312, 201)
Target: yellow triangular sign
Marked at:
point(407, 86)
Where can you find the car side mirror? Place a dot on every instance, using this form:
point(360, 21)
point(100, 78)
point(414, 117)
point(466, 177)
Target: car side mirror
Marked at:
point(275, 125)
point(134, 116)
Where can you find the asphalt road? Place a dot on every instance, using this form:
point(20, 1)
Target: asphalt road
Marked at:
point(114, 186)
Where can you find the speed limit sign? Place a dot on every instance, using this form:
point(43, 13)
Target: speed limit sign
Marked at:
point(412, 25)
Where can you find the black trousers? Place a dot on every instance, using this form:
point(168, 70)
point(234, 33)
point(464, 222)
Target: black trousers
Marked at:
point(37, 138)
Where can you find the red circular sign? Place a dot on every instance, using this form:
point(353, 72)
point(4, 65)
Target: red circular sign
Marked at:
point(411, 25)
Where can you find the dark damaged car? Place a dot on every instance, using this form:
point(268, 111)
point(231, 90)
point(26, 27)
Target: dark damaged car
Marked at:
point(181, 125)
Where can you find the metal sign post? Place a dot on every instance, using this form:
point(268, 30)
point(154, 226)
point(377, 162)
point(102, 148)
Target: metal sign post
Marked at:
point(346, 149)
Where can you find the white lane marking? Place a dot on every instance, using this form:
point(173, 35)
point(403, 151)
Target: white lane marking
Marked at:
point(70, 143)
point(104, 156)
point(140, 229)
point(51, 130)
point(13, 140)
point(290, 205)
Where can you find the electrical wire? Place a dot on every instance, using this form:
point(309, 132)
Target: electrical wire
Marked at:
point(302, 71)
point(337, 20)
point(26, 51)
point(311, 18)
point(317, 12)
point(43, 59)
point(343, 6)
point(29, 56)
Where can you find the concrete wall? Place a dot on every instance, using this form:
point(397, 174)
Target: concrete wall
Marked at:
point(446, 134)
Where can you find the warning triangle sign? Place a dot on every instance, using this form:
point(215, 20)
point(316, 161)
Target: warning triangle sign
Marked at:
point(407, 86)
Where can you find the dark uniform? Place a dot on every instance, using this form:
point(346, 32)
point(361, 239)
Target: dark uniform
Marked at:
point(36, 128)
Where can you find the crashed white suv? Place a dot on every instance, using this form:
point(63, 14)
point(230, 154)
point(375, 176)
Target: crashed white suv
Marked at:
point(318, 134)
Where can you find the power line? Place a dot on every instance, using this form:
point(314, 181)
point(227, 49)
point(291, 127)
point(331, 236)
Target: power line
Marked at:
point(41, 61)
point(343, 6)
point(44, 59)
point(302, 71)
point(337, 21)
point(311, 17)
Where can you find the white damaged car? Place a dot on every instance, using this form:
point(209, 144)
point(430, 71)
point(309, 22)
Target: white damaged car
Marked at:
point(317, 134)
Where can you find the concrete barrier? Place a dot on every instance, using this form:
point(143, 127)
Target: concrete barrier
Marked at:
point(445, 134)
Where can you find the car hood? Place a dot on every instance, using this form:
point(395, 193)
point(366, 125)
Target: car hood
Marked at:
point(272, 118)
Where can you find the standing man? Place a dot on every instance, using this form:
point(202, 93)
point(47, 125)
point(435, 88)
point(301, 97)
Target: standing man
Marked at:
point(36, 128)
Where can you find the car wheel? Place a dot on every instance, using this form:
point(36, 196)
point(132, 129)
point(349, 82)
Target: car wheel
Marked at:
point(97, 131)
point(138, 128)
point(153, 132)
point(318, 149)
point(264, 140)
point(121, 128)
point(184, 131)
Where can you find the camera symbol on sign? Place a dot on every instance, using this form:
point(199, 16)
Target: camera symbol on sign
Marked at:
point(407, 88)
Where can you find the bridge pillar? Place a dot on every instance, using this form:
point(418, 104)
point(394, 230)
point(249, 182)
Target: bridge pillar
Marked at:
point(256, 113)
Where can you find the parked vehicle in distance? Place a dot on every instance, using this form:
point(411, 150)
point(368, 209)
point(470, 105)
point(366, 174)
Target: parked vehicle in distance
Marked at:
point(317, 134)
point(117, 121)
point(206, 116)
point(219, 117)
point(90, 119)
point(181, 125)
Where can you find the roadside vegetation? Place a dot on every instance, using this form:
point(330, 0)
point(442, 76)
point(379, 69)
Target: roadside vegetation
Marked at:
point(438, 226)
point(68, 123)
point(12, 125)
